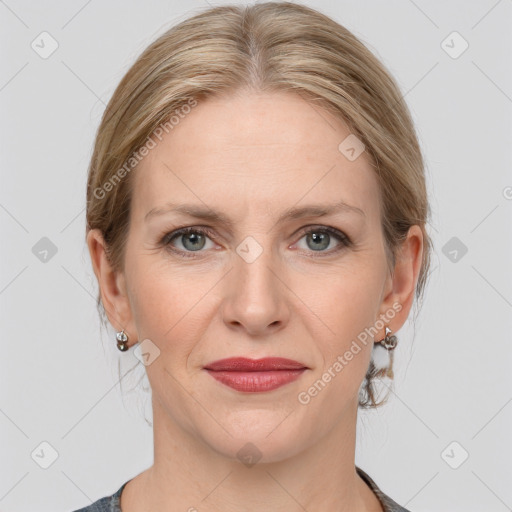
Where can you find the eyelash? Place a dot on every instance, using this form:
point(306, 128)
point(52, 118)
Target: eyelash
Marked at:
point(338, 235)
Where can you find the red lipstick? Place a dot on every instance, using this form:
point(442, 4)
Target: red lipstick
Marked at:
point(255, 375)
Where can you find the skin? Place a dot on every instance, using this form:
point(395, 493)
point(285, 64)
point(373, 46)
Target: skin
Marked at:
point(251, 156)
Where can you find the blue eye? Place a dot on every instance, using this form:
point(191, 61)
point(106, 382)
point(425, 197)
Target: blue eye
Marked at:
point(319, 238)
point(192, 239)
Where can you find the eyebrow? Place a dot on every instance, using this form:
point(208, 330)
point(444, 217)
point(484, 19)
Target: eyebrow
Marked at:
point(205, 213)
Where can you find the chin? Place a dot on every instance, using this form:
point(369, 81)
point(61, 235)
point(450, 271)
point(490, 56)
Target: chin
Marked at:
point(256, 439)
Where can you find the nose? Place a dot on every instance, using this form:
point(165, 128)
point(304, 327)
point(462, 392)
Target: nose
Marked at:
point(255, 298)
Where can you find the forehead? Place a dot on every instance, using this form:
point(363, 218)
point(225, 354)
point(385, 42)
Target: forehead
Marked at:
point(254, 150)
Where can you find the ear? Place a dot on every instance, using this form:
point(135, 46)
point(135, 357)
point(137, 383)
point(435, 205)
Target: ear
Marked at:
point(401, 285)
point(112, 285)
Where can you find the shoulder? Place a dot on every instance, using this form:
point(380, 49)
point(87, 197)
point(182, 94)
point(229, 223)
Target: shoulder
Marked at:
point(387, 503)
point(106, 504)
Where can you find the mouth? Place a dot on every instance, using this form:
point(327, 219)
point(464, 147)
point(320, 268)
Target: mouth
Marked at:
point(255, 375)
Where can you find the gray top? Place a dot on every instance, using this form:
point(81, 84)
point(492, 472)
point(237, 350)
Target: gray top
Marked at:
point(111, 503)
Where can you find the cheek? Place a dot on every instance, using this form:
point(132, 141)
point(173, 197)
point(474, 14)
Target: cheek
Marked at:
point(346, 303)
point(346, 298)
point(153, 296)
point(168, 306)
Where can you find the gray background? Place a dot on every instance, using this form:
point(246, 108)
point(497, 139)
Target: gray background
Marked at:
point(59, 373)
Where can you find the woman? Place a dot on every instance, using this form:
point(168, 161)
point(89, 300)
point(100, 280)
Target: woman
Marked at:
point(256, 211)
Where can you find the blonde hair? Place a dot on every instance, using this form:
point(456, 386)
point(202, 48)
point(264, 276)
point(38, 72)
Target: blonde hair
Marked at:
point(266, 47)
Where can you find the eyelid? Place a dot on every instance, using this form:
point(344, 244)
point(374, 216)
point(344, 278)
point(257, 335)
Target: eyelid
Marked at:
point(325, 228)
point(168, 236)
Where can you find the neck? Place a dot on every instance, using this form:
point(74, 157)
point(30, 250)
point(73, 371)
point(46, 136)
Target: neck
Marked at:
point(188, 475)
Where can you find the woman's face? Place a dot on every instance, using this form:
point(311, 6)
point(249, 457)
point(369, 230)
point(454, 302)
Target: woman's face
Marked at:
point(255, 284)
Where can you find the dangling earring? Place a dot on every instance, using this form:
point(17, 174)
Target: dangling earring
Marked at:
point(382, 354)
point(122, 338)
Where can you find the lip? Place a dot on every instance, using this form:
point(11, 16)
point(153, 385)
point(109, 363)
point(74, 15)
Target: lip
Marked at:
point(244, 364)
point(256, 382)
point(255, 375)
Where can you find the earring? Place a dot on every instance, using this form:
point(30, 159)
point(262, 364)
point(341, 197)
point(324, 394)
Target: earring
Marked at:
point(382, 354)
point(122, 338)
